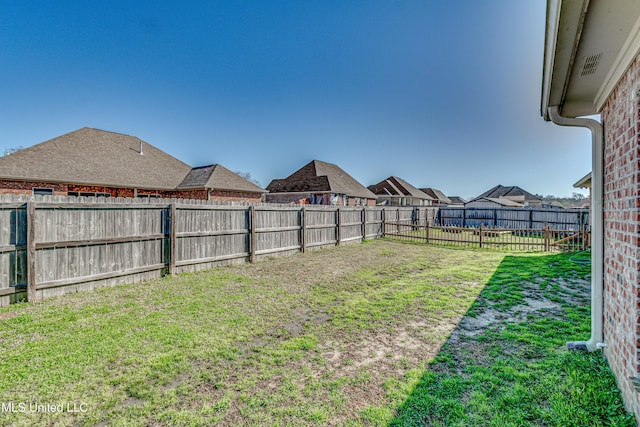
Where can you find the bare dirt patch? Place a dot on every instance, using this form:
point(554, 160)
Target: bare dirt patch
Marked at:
point(8, 315)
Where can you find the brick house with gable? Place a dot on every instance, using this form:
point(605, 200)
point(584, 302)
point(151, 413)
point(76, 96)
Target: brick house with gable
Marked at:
point(320, 183)
point(439, 198)
point(592, 66)
point(396, 191)
point(93, 162)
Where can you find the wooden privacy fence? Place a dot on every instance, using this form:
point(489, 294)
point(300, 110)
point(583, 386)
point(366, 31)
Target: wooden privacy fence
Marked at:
point(545, 239)
point(52, 247)
point(514, 218)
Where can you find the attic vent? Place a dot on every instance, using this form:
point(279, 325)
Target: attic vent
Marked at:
point(590, 64)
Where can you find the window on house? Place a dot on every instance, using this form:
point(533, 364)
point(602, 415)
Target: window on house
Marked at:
point(87, 194)
point(43, 191)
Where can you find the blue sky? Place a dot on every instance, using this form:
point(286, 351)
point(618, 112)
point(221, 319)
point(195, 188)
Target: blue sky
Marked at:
point(444, 94)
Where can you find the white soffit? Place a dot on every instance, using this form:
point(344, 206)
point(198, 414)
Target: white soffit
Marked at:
point(608, 43)
point(620, 65)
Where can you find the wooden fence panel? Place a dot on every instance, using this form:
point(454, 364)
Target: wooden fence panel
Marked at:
point(513, 218)
point(207, 236)
point(350, 225)
point(13, 260)
point(407, 214)
point(373, 216)
point(320, 227)
point(277, 231)
point(83, 243)
point(83, 246)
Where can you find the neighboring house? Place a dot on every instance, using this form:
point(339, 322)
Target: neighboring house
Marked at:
point(592, 66)
point(513, 193)
point(320, 183)
point(395, 191)
point(493, 203)
point(585, 182)
point(93, 162)
point(221, 184)
point(456, 202)
point(439, 199)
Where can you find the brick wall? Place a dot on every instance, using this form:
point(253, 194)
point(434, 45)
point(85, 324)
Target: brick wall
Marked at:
point(298, 198)
point(234, 196)
point(285, 198)
point(21, 187)
point(621, 120)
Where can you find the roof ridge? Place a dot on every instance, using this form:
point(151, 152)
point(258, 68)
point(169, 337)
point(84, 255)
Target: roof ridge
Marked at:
point(107, 131)
point(205, 166)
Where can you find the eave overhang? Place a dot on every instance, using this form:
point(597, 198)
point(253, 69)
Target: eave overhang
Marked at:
point(584, 182)
point(589, 44)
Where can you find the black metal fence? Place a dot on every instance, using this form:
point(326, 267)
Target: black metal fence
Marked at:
point(546, 239)
point(514, 218)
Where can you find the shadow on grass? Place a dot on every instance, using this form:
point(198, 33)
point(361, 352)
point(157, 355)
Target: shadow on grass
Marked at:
point(506, 362)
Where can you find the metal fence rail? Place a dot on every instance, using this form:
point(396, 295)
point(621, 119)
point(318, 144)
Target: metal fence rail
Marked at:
point(514, 218)
point(545, 239)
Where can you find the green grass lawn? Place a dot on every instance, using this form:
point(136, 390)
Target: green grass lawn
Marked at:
point(378, 334)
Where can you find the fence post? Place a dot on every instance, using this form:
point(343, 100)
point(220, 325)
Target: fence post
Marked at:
point(383, 217)
point(172, 238)
point(31, 252)
point(338, 231)
point(546, 238)
point(464, 217)
point(303, 229)
point(480, 235)
point(531, 219)
point(427, 229)
point(363, 217)
point(252, 234)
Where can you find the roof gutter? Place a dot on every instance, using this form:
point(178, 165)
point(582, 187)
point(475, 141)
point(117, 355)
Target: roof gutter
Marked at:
point(597, 245)
point(563, 32)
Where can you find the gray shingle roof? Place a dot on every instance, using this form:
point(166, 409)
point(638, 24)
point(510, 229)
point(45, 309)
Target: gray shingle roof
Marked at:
point(436, 194)
point(217, 177)
point(457, 200)
point(95, 157)
point(320, 176)
point(502, 191)
point(499, 200)
point(394, 186)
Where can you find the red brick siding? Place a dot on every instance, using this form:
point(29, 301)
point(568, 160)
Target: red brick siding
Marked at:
point(231, 196)
point(93, 189)
point(621, 120)
point(298, 198)
point(21, 187)
point(285, 198)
